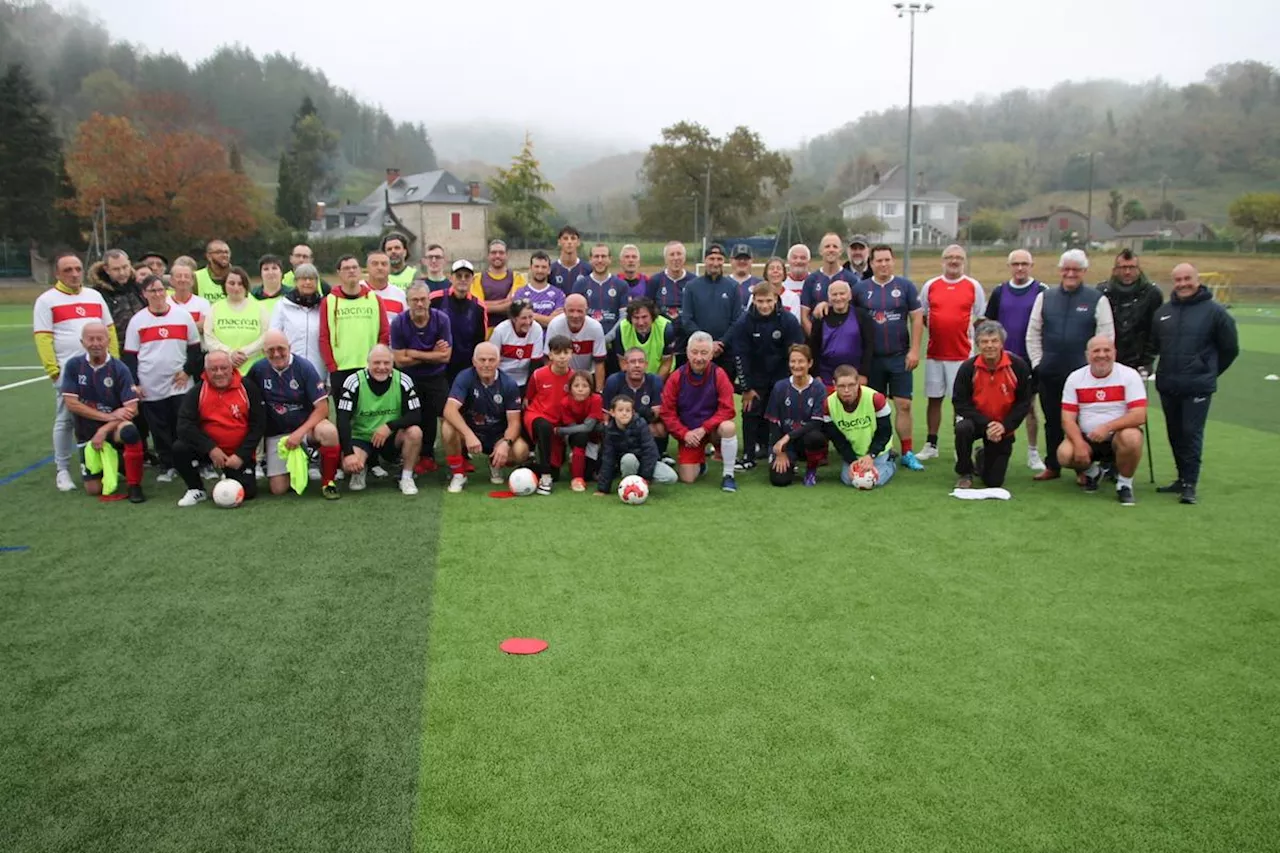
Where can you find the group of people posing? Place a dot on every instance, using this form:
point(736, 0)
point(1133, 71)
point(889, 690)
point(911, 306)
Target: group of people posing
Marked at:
point(294, 379)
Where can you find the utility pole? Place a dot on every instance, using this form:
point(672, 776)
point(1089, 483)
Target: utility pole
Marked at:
point(706, 227)
point(911, 9)
point(1088, 215)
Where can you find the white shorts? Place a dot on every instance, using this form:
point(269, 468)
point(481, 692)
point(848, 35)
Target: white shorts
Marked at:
point(940, 377)
point(275, 465)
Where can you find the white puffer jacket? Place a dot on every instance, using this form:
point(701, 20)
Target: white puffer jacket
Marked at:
point(302, 327)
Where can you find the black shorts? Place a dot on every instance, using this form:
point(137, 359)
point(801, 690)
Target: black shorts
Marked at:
point(889, 376)
point(488, 439)
point(388, 451)
point(1102, 452)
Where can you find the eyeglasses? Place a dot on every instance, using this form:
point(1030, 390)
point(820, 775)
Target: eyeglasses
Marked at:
point(435, 257)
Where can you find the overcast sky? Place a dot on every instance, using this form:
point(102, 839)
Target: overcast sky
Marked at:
point(791, 69)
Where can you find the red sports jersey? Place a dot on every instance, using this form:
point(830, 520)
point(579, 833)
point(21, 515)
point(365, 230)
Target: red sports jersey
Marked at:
point(574, 412)
point(545, 395)
point(952, 306)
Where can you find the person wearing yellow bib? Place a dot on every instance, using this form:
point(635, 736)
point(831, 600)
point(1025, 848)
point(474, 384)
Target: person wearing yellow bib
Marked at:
point(300, 255)
point(237, 324)
point(646, 330)
point(210, 281)
point(352, 322)
point(856, 420)
point(396, 248)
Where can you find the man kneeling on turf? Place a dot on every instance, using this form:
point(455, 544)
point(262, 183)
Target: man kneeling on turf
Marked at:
point(697, 407)
point(991, 396)
point(1104, 405)
point(379, 416)
point(856, 420)
point(482, 415)
point(98, 391)
point(297, 409)
point(222, 418)
point(628, 448)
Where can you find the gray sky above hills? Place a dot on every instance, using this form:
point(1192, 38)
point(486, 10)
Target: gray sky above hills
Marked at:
point(620, 72)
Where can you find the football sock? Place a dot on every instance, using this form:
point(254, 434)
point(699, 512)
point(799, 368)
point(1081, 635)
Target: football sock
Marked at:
point(578, 463)
point(812, 459)
point(329, 458)
point(932, 438)
point(1122, 480)
point(455, 464)
point(729, 450)
point(906, 445)
point(134, 459)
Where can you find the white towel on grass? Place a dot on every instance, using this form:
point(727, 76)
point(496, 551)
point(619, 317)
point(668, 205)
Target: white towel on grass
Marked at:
point(981, 494)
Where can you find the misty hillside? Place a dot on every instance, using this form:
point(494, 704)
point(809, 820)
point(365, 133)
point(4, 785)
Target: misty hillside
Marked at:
point(495, 143)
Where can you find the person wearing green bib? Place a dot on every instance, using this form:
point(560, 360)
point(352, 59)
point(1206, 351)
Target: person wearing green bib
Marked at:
point(211, 280)
point(300, 255)
point(396, 247)
point(379, 417)
point(352, 321)
point(644, 329)
point(237, 324)
point(856, 420)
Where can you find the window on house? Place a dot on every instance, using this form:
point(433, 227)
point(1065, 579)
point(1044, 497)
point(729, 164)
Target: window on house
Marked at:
point(455, 221)
point(1062, 223)
point(890, 208)
point(410, 191)
point(452, 189)
point(937, 212)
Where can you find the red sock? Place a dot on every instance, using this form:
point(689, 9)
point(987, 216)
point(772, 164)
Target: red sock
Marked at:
point(134, 459)
point(906, 445)
point(578, 463)
point(812, 459)
point(455, 464)
point(330, 457)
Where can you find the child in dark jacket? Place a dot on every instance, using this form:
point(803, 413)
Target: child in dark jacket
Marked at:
point(629, 449)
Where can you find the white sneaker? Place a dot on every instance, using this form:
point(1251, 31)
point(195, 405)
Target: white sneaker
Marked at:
point(544, 484)
point(262, 472)
point(407, 486)
point(167, 476)
point(358, 481)
point(207, 473)
point(378, 471)
point(313, 474)
point(192, 497)
point(929, 451)
point(456, 483)
point(1034, 462)
point(64, 482)
point(495, 476)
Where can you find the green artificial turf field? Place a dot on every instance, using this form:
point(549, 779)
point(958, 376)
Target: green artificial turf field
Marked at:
point(800, 669)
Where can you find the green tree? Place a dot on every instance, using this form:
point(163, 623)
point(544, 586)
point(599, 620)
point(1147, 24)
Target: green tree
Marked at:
point(1132, 211)
point(866, 224)
point(1115, 201)
point(744, 176)
point(1256, 213)
point(291, 199)
point(987, 226)
point(519, 191)
point(313, 152)
point(30, 161)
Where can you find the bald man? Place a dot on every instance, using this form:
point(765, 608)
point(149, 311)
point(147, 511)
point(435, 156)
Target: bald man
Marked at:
point(1010, 305)
point(1104, 406)
point(482, 415)
point(587, 335)
point(297, 409)
point(379, 416)
point(1195, 341)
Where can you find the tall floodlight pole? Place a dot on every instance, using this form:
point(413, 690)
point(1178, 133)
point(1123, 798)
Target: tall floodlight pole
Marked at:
point(911, 9)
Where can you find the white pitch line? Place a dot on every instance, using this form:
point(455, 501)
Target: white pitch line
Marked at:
point(36, 367)
point(24, 382)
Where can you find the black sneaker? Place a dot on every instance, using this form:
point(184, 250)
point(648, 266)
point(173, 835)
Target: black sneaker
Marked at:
point(1173, 488)
point(136, 496)
point(1090, 483)
point(1124, 494)
point(1188, 494)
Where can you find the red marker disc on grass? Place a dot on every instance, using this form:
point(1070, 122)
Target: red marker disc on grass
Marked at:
point(523, 646)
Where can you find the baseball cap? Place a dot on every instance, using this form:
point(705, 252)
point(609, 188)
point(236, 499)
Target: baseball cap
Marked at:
point(742, 250)
point(463, 265)
point(162, 258)
point(858, 240)
point(714, 249)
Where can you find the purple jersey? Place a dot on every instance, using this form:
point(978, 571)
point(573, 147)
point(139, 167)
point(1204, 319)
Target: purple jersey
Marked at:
point(637, 288)
point(564, 277)
point(406, 335)
point(545, 302)
point(1012, 308)
point(791, 408)
point(466, 318)
point(890, 306)
point(698, 398)
point(841, 344)
point(106, 388)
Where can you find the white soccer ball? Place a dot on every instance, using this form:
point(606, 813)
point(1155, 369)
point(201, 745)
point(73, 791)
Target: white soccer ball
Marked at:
point(866, 478)
point(228, 493)
point(633, 490)
point(523, 482)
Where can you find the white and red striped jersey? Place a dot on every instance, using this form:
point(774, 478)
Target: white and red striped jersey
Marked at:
point(1098, 400)
point(160, 341)
point(63, 315)
point(589, 344)
point(517, 352)
point(790, 298)
point(393, 300)
point(197, 306)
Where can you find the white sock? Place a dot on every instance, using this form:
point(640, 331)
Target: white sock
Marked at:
point(1032, 451)
point(1093, 470)
point(1122, 480)
point(729, 450)
point(406, 474)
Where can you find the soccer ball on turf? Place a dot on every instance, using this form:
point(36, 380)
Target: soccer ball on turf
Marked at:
point(633, 490)
point(228, 493)
point(864, 478)
point(522, 482)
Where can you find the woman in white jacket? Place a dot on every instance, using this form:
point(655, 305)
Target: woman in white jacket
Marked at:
point(297, 314)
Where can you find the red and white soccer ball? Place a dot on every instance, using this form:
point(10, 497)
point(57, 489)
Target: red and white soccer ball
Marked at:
point(864, 477)
point(228, 493)
point(522, 482)
point(633, 490)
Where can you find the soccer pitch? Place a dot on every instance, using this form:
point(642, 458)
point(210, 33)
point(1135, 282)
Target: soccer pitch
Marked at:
point(798, 669)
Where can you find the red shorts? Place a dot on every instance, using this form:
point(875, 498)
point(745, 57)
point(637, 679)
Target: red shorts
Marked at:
point(694, 455)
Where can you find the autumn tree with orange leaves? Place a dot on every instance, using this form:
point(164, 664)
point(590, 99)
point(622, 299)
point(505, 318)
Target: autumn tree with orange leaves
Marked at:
point(160, 187)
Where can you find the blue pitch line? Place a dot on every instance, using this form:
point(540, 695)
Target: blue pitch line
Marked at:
point(10, 549)
point(34, 466)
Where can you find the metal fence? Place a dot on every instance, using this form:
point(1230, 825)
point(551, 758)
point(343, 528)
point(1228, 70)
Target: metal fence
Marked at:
point(15, 260)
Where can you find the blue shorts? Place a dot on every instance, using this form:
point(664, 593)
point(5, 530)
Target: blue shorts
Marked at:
point(889, 375)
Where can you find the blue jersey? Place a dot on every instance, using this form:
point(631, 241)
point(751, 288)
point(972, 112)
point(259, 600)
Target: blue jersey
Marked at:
point(646, 397)
point(485, 407)
point(890, 306)
point(815, 287)
point(667, 293)
point(565, 277)
point(107, 387)
point(744, 290)
point(790, 408)
point(290, 395)
point(606, 300)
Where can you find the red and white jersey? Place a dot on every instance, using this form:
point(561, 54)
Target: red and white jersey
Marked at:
point(1097, 400)
point(588, 342)
point(393, 300)
point(64, 315)
point(951, 308)
point(160, 342)
point(517, 352)
point(197, 306)
point(790, 298)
